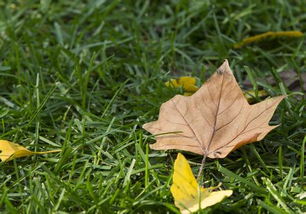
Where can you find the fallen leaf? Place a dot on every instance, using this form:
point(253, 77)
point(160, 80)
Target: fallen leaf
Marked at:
point(187, 83)
point(10, 151)
point(214, 121)
point(268, 35)
point(188, 195)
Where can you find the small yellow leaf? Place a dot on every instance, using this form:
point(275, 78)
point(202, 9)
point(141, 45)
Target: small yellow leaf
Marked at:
point(268, 35)
point(187, 83)
point(188, 195)
point(10, 151)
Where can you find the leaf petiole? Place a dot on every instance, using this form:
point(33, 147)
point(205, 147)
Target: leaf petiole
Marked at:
point(201, 168)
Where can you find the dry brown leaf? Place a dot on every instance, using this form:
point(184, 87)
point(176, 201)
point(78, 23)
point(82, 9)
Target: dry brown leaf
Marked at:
point(214, 121)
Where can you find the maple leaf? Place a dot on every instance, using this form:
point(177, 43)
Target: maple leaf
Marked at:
point(10, 151)
point(188, 195)
point(213, 121)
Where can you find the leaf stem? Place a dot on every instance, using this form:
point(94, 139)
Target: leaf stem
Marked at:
point(201, 167)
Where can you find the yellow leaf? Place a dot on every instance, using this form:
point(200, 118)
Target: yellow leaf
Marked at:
point(10, 151)
point(187, 83)
point(188, 195)
point(268, 35)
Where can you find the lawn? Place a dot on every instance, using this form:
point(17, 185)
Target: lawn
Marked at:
point(84, 76)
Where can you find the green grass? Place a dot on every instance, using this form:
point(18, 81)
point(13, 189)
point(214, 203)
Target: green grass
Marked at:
point(83, 76)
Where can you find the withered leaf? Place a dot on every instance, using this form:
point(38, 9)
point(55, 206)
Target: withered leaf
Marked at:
point(214, 121)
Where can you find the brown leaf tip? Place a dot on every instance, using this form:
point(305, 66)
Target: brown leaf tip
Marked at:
point(224, 68)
